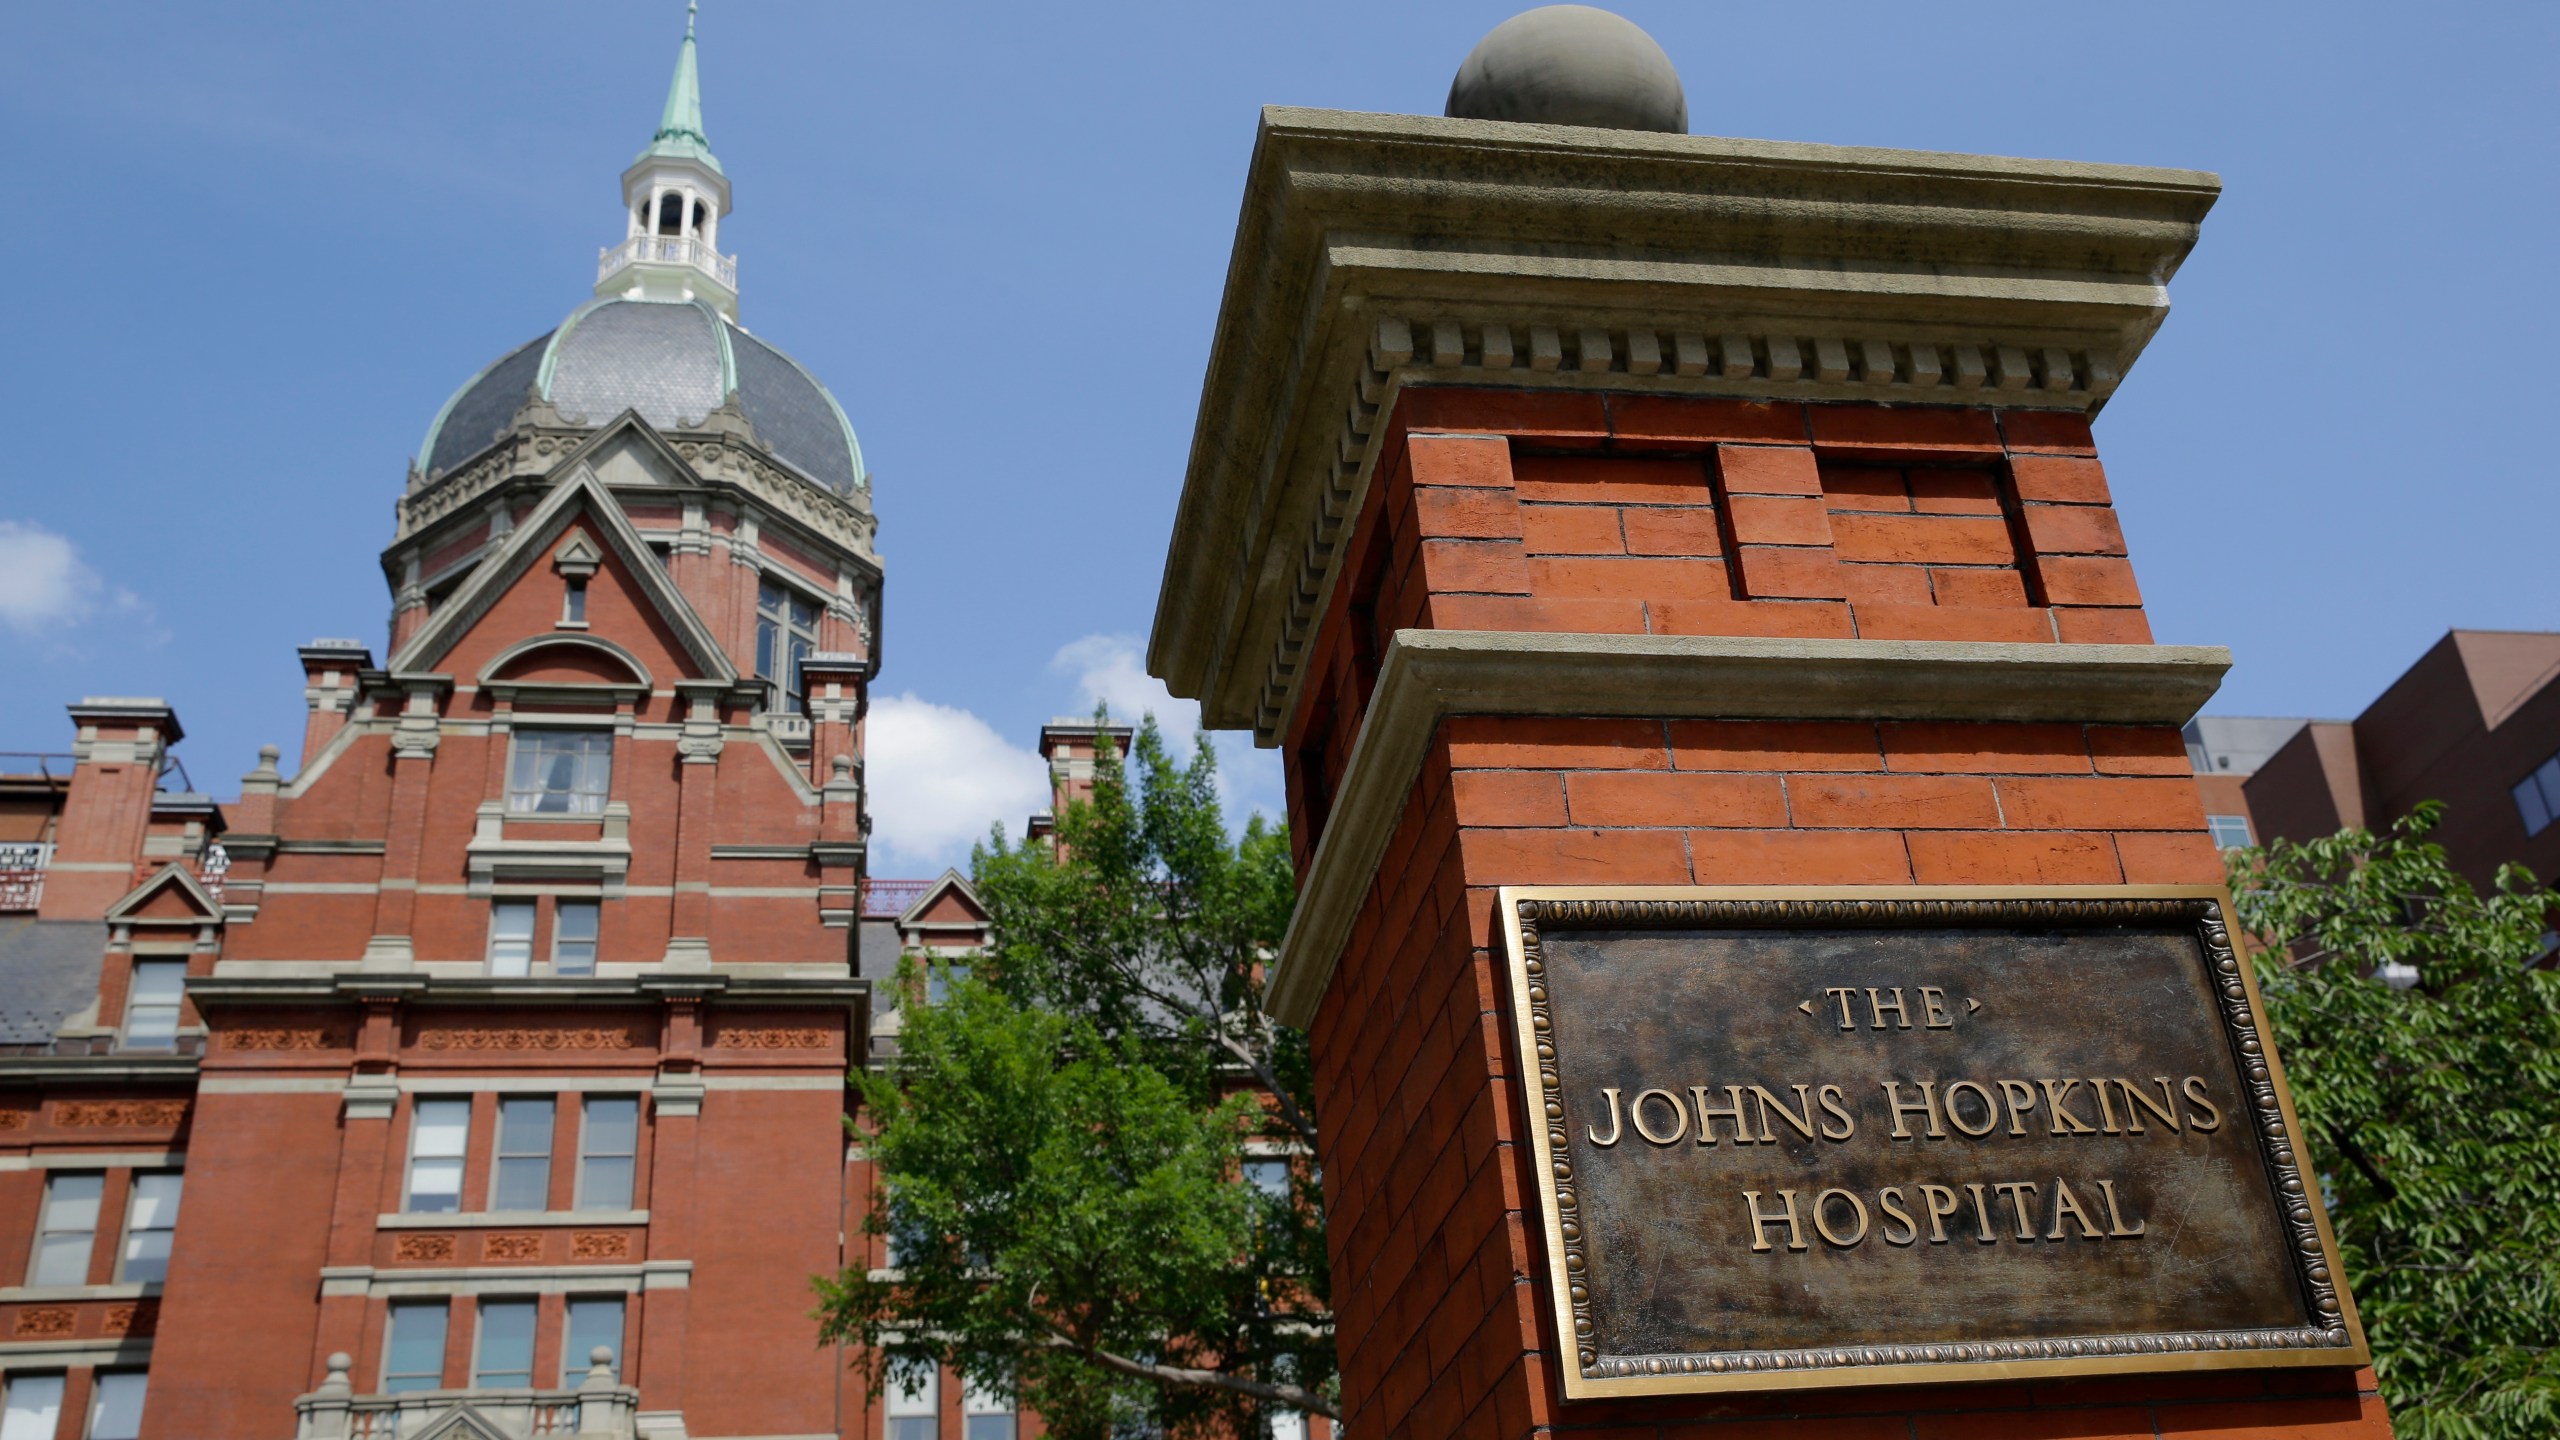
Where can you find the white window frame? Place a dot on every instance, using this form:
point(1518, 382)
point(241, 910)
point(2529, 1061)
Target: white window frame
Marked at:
point(2223, 827)
point(136, 1037)
point(573, 1355)
point(786, 632)
point(981, 1410)
point(443, 1306)
point(526, 787)
point(913, 1406)
point(587, 1153)
point(460, 1158)
point(31, 1404)
point(165, 1226)
point(499, 1154)
point(48, 1224)
point(561, 905)
point(102, 1386)
point(481, 1306)
point(511, 955)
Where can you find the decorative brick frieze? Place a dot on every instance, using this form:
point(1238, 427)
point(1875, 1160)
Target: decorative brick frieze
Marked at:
point(489, 1038)
point(118, 1114)
point(600, 1245)
point(512, 1246)
point(432, 1247)
point(297, 1038)
point(769, 1038)
point(45, 1322)
point(134, 1318)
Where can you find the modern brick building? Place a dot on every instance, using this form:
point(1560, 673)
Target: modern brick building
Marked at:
point(2475, 723)
point(482, 1072)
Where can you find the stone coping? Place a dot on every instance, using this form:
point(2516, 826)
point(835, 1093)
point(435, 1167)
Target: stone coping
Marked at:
point(1373, 250)
point(1430, 675)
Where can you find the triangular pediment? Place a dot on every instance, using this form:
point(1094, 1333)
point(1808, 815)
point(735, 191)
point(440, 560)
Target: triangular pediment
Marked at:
point(948, 902)
point(171, 897)
point(462, 1422)
point(579, 515)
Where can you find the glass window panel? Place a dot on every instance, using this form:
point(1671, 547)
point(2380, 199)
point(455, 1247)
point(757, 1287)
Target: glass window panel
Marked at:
point(574, 604)
point(593, 1321)
point(804, 616)
point(151, 1008)
point(69, 1229)
point(573, 936)
point(2530, 805)
point(115, 1405)
point(987, 1427)
point(511, 937)
point(986, 1412)
point(1288, 1425)
point(2228, 831)
point(523, 1178)
point(438, 1133)
point(608, 1144)
point(413, 1358)
point(35, 1408)
point(560, 772)
point(506, 1345)
point(152, 1219)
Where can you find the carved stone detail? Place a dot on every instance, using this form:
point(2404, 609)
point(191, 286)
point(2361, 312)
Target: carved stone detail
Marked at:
point(15, 1119)
point(140, 1317)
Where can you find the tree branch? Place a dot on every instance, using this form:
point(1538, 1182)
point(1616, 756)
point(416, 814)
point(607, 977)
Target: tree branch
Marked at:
point(1290, 1395)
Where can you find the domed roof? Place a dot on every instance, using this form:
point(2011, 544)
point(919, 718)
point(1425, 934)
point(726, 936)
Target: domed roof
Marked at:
point(674, 361)
point(1570, 65)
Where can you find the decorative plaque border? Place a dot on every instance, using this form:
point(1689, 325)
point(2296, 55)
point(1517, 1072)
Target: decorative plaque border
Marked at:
point(2336, 1339)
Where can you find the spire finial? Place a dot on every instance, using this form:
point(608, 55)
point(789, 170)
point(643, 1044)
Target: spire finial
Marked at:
point(682, 119)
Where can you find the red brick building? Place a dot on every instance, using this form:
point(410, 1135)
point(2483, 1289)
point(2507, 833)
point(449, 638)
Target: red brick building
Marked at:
point(482, 1073)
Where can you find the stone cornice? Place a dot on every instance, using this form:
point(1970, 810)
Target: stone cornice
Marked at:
point(1429, 675)
point(218, 991)
point(1376, 250)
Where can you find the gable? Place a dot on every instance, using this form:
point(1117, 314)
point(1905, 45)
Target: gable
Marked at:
point(518, 589)
point(171, 896)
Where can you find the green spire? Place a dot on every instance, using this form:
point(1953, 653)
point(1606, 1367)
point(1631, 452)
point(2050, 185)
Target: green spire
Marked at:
point(680, 127)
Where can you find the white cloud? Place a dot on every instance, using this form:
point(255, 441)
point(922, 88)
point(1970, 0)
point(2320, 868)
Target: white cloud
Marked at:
point(43, 584)
point(939, 778)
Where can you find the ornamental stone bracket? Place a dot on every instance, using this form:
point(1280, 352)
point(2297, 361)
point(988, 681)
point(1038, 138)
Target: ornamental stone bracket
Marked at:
point(493, 855)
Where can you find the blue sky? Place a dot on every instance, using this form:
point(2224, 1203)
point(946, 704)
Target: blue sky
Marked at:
point(254, 248)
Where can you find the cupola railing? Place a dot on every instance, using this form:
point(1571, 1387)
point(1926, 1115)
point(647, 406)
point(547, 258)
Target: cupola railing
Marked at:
point(667, 250)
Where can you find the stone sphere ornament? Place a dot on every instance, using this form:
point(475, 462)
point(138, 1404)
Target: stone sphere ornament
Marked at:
point(1570, 65)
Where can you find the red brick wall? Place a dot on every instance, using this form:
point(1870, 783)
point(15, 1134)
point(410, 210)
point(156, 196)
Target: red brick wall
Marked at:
point(1651, 516)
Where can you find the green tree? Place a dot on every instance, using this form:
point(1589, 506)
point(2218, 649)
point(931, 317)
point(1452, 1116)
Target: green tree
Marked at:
point(2423, 1048)
point(1094, 1151)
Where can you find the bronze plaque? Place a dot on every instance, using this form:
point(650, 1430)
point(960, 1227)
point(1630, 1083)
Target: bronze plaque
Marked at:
point(1877, 1137)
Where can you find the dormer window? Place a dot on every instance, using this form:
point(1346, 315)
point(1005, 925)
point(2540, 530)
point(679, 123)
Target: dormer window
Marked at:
point(560, 772)
point(576, 563)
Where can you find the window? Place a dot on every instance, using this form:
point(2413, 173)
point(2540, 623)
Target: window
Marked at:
point(523, 1178)
point(573, 936)
point(573, 603)
point(438, 1132)
point(1288, 1425)
point(986, 1413)
point(608, 1146)
point(151, 1007)
point(2538, 796)
point(413, 1358)
point(115, 1405)
point(939, 977)
point(69, 1229)
point(510, 937)
point(505, 1361)
point(2229, 831)
point(915, 1406)
point(594, 1322)
point(35, 1408)
point(560, 772)
point(149, 1222)
point(786, 631)
point(1269, 1178)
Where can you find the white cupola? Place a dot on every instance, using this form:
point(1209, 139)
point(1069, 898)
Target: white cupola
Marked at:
point(672, 199)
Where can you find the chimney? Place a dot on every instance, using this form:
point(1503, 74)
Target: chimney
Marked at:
point(329, 686)
point(121, 745)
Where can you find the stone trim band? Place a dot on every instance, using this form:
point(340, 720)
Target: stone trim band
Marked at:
point(1429, 675)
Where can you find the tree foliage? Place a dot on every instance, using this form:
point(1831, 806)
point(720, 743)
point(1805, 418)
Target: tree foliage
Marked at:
point(1065, 1140)
point(2434, 1102)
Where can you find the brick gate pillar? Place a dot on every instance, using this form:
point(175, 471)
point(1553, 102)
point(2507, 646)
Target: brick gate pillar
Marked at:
point(1590, 507)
